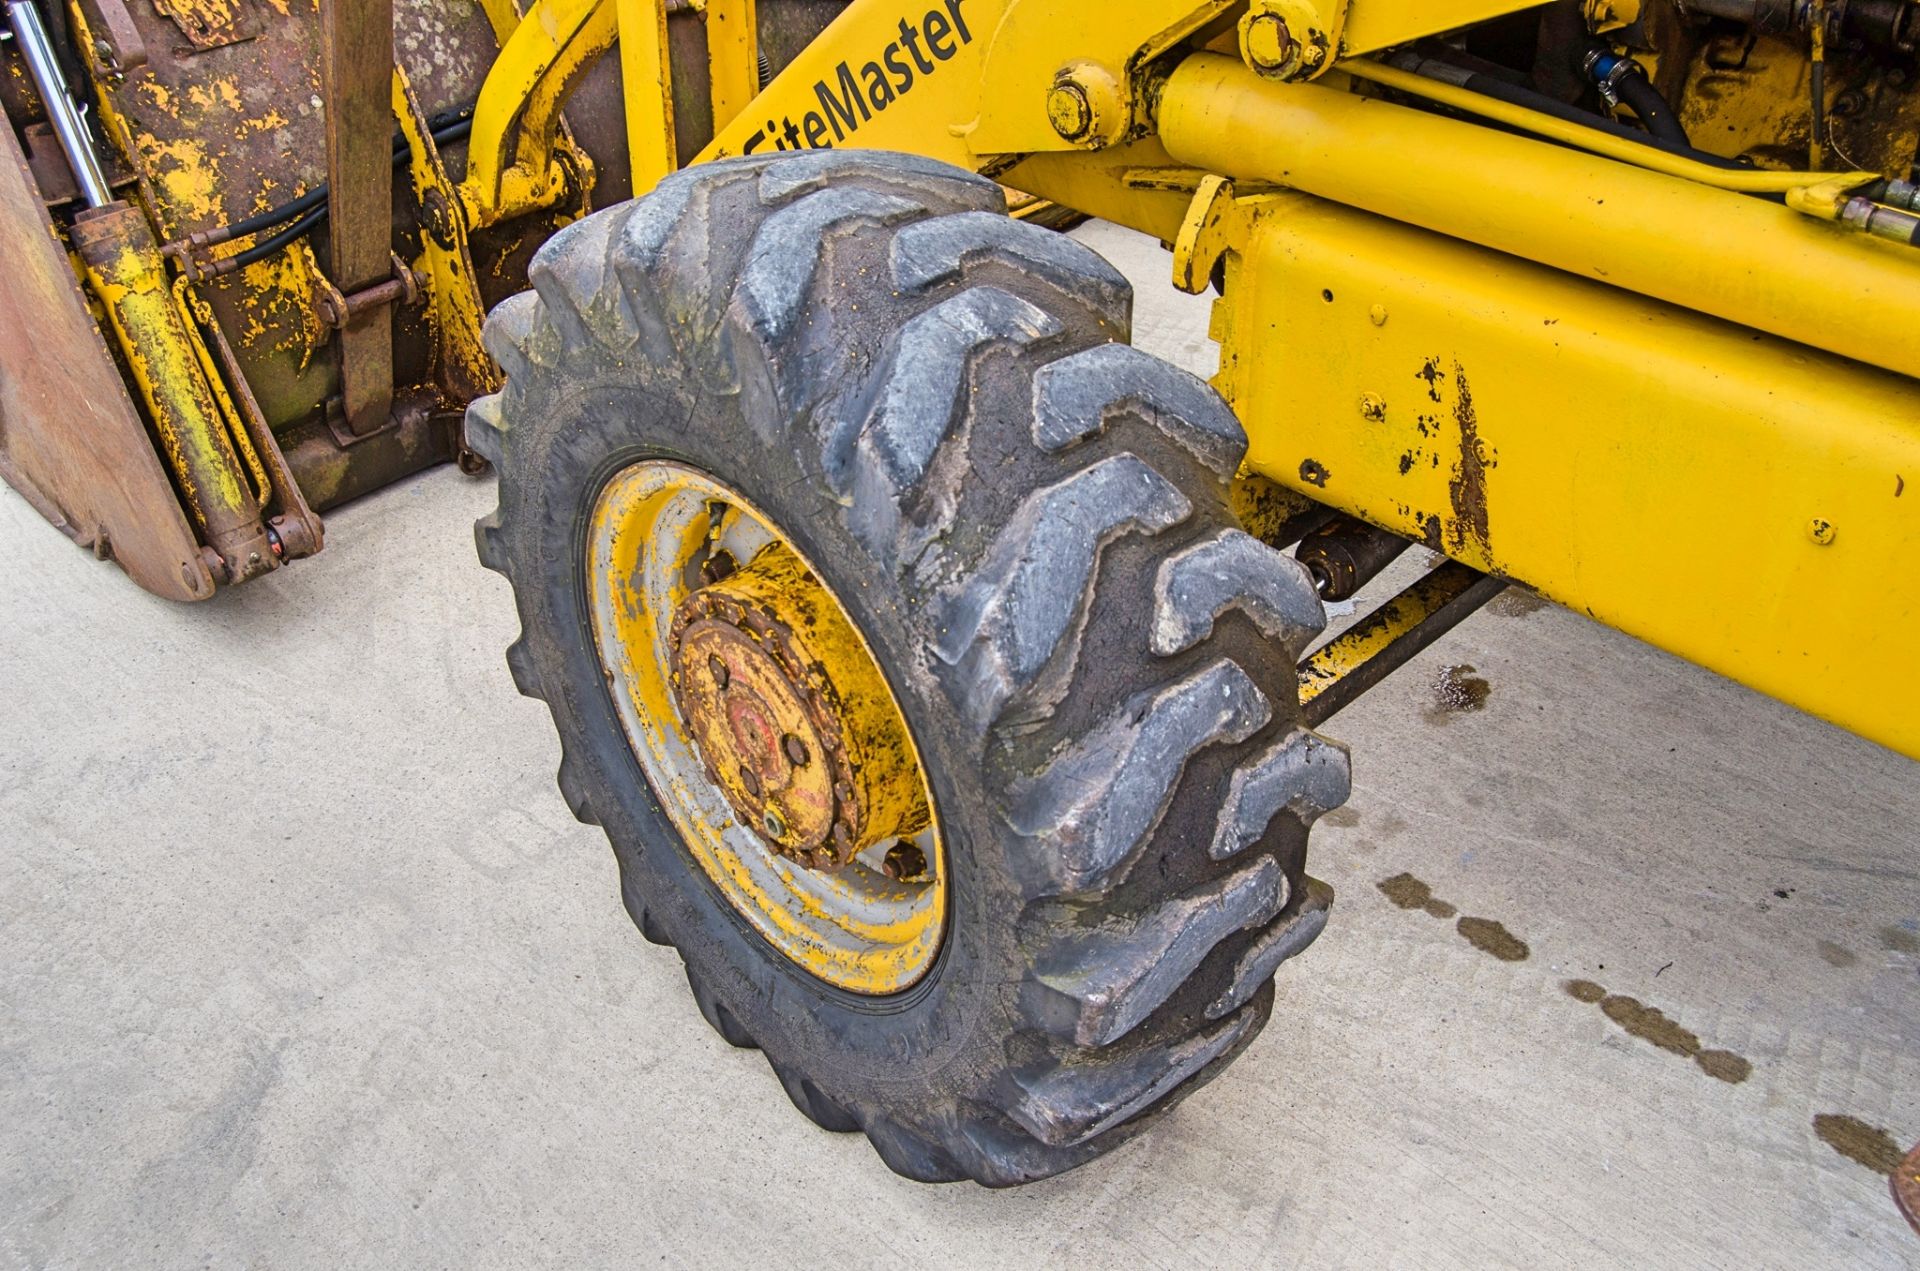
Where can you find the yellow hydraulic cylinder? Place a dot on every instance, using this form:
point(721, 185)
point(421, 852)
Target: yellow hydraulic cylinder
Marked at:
point(125, 272)
point(1739, 258)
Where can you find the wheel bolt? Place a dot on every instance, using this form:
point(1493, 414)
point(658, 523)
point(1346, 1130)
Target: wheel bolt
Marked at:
point(750, 781)
point(718, 670)
point(796, 751)
point(904, 861)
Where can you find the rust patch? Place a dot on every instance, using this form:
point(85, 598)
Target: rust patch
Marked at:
point(1432, 374)
point(1493, 939)
point(1651, 1024)
point(1314, 473)
point(1468, 489)
point(1863, 1144)
point(1835, 954)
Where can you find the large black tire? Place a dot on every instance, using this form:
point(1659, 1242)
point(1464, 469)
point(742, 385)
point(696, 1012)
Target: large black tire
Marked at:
point(1027, 521)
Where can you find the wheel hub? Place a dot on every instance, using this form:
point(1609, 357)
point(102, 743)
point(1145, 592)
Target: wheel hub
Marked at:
point(789, 716)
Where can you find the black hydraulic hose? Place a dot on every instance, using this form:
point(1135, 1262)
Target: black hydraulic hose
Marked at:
point(306, 205)
point(1513, 94)
point(273, 243)
point(1638, 92)
point(443, 135)
point(1622, 79)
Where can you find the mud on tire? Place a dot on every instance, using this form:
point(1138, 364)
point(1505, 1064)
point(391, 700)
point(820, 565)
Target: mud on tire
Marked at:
point(1026, 519)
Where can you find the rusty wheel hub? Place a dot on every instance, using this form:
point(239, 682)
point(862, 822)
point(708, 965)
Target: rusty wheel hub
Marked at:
point(789, 715)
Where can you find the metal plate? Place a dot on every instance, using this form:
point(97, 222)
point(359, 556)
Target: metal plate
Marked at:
point(70, 440)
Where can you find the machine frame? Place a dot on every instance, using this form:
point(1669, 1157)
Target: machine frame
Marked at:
point(1596, 368)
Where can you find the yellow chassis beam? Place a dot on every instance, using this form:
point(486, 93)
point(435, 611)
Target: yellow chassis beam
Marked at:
point(1686, 412)
point(1730, 497)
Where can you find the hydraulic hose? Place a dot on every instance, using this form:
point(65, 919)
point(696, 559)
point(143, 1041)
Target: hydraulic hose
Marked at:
point(300, 214)
point(1622, 79)
point(1638, 92)
point(1447, 71)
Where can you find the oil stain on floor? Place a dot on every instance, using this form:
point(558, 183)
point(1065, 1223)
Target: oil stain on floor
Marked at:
point(1868, 1145)
point(1650, 1024)
point(1408, 892)
point(1836, 954)
point(1457, 690)
point(1490, 937)
point(1517, 602)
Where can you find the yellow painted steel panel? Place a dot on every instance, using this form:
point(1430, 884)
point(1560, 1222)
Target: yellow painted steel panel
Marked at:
point(1739, 500)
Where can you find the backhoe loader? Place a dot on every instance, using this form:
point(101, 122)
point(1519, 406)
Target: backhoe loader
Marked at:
point(947, 674)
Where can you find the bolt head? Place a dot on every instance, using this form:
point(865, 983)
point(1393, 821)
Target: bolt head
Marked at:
point(904, 861)
point(1267, 42)
point(1820, 530)
point(1069, 110)
point(1378, 314)
point(775, 827)
point(1373, 407)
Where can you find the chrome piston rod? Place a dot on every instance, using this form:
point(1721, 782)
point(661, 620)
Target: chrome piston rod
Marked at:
point(68, 126)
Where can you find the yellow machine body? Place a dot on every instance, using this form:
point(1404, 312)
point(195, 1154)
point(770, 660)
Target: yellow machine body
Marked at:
point(1676, 395)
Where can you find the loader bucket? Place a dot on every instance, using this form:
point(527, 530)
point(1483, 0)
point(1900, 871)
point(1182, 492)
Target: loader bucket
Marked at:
point(70, 440)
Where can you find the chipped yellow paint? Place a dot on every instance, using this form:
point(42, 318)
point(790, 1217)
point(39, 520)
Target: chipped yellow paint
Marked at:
point(826, 921)
point(518, 153)
point(455, 310)
point(195, 313)
point(131, 286)
point(185, 176)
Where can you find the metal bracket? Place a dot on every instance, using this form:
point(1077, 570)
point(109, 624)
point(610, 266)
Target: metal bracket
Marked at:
point(461, 365)
point(1218, 220)
point(337, 309)
point(517, 159)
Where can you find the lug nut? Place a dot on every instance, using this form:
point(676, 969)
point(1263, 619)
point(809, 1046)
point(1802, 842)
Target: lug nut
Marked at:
point(718, 670)
point(796, 751)
point(775, 827)
point(750, 781)
point(904, 862)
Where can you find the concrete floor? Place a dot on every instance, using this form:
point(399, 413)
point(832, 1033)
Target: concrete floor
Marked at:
point(304, 964)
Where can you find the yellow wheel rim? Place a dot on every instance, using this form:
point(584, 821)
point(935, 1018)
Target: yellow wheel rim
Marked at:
point(787, 768)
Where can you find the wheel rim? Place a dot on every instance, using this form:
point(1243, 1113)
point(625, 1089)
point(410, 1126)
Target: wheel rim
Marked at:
point(766, 729)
